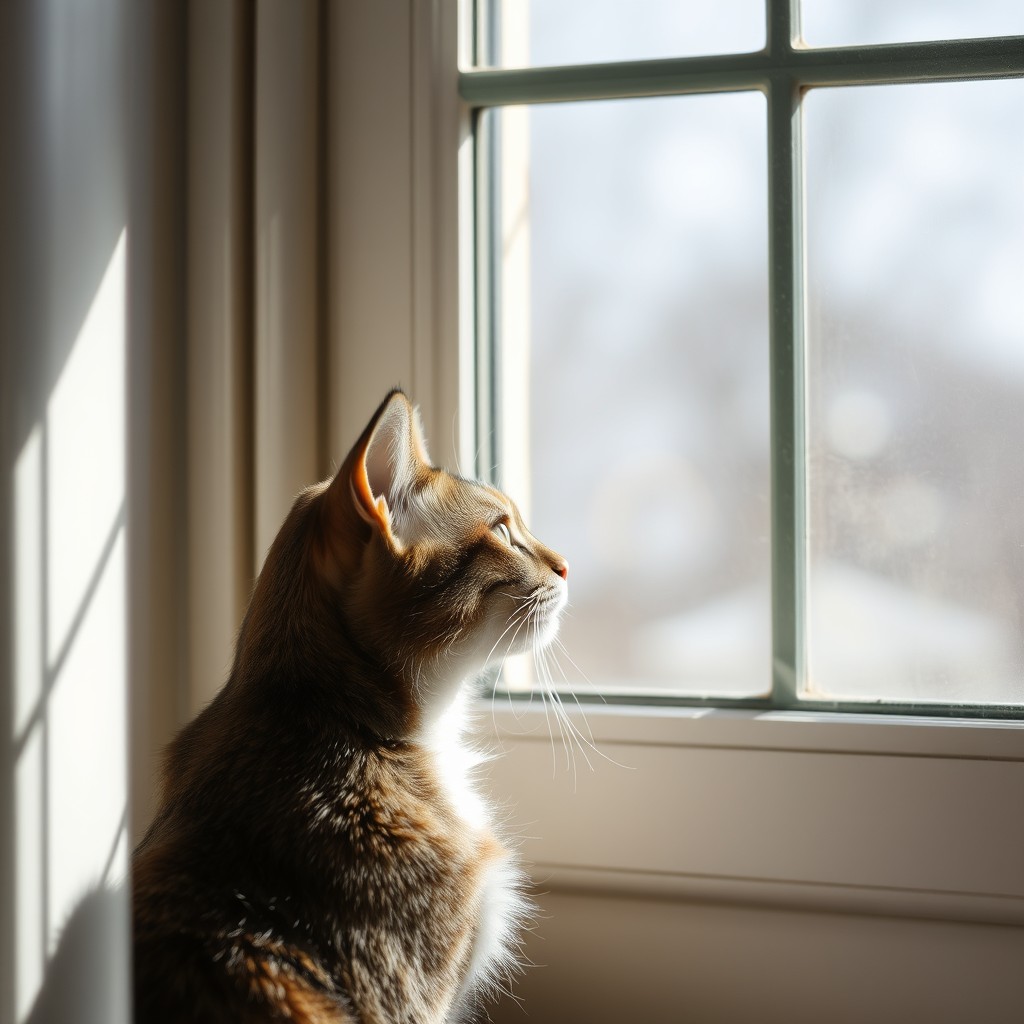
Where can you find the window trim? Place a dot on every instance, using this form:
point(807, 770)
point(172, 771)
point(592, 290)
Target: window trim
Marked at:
point(851, 814)
point(429, 255)
point(782, 72)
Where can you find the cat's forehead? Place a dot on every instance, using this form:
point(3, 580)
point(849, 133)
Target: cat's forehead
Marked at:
point(469, 498)
point(450, 507)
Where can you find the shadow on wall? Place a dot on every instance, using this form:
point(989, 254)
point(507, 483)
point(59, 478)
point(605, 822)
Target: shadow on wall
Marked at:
point(63, 314)
point(86, 981)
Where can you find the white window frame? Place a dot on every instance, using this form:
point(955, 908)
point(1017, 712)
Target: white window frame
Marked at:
point(782, 72)
point(882, 815)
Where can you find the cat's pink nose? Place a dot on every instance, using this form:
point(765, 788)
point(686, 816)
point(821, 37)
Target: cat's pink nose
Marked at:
point(562, 568)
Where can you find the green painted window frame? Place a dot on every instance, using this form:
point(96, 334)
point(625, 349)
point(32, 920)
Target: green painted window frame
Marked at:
point(782, 71)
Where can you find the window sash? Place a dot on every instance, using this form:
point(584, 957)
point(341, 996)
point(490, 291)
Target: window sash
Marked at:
point(782, 71)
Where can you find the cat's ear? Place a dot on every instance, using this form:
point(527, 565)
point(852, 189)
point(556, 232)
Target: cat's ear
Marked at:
point(389, 458)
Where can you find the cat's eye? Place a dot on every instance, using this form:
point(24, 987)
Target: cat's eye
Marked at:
point(502, 530)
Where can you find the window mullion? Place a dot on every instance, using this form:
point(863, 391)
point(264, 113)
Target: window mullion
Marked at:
point(943, 60)
point(785, 265)
point(486, 296)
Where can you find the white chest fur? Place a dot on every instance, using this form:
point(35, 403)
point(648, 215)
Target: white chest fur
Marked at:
point(503, 911)
point(502, 905)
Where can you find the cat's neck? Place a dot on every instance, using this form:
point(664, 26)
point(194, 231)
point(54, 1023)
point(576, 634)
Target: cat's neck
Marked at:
point(443, 690)
point(455, 760)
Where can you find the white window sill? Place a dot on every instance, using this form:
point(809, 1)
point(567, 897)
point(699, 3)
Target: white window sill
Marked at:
point(921, 736)
point(905, 817)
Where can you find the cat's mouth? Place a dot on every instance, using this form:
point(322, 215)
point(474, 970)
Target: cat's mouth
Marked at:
point(548, 595)
point(546, 603)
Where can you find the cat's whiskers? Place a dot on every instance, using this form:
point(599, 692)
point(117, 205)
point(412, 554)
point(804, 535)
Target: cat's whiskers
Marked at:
point(583, 675)
point(545, 657)
point(512, 621)
point(541, 660)
point(582, 739)
point(564, 725)
point(517, 614)
point(531, 602)
point(523, 615)
point(572, 693)
point(517, 619)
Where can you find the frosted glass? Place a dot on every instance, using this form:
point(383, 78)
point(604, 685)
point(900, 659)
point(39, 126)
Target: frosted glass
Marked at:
point(867, 22)
point(915, 229)
point(643, 408)
point(555, 32)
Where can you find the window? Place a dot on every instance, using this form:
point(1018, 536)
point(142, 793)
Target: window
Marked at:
point(886, 816)
point(751, 338)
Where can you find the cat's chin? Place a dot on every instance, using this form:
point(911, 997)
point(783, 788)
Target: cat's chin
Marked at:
point(550, 606)
point(546, 633)
point(542, 630)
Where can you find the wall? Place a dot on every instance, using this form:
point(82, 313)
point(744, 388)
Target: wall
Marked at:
point(75, 243)
point(606, 958)
point(726, 866)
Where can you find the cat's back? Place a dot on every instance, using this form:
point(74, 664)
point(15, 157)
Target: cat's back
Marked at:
point(381, 908)
point(319, 845)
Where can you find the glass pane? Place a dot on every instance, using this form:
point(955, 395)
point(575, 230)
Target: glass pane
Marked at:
point(522, 33)
point(631, 256)
point(915, 227)
point(866, 22)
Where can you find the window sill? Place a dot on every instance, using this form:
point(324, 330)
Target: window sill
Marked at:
point(811, 731)
point(886, 816)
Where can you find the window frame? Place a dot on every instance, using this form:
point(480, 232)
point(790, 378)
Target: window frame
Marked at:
point(783, 72)
point(410, 319)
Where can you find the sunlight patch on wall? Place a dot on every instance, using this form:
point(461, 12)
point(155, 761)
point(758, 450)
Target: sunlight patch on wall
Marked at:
point(70, 678)
point(87, 727)
point(86, 453)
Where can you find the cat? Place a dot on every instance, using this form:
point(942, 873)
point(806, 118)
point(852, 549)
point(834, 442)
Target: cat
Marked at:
point(320, 853)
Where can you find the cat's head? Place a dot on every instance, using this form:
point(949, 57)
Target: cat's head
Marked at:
point(431, 576)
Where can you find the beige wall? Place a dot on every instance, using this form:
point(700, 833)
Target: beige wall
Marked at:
point(620, 959)
point(726, 867)
point(69, 258)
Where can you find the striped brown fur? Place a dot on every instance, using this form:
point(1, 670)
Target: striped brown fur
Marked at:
point(319, 853)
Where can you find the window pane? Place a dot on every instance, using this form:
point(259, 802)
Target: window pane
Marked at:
point(631, 267)
point(915, 225)
point(552, 32)
point(866, 22)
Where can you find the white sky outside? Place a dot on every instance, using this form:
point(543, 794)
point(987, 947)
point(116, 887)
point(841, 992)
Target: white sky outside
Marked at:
point(635, 207)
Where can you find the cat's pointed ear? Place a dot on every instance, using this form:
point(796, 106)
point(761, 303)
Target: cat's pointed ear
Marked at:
point(389, 458)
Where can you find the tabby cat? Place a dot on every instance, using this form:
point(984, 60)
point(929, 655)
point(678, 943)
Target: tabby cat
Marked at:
point(320, 853)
